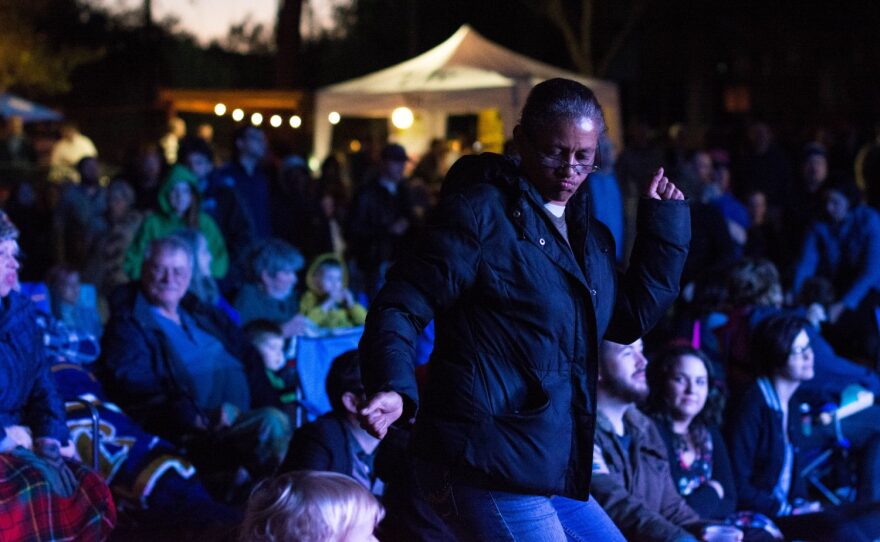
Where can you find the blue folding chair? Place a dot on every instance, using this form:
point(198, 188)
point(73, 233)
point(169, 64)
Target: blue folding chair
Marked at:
point(314, 355)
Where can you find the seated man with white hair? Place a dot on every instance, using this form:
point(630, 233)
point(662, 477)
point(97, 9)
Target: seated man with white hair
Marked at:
point(185, 371)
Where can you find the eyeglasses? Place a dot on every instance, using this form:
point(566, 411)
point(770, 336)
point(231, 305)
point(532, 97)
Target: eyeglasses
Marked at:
point(560, 162)
point(801, 351)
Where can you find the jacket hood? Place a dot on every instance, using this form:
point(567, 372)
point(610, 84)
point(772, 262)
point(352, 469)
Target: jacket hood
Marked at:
point(177, 174)
point(496, 169)
point(311, 274)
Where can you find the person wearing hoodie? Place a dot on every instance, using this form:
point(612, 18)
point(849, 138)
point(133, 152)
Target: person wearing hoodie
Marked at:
point(328, 302)
point(179, 208)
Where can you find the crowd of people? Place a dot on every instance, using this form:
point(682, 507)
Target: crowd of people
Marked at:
point(637, 343)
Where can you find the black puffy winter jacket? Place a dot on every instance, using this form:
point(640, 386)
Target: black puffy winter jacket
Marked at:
point(519, 316)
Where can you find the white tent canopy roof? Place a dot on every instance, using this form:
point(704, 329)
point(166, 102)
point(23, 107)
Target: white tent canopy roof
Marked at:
point(464, 74)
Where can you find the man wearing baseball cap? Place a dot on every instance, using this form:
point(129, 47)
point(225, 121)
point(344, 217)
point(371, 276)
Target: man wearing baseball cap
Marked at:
point(381, 215)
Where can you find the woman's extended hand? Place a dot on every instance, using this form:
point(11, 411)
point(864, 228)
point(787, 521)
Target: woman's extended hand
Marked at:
point(380, 411)
point(662, 188)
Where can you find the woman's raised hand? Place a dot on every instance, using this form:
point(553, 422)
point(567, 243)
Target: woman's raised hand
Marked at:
point(662, 188)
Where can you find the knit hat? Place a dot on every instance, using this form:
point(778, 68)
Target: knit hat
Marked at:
point(8, 230)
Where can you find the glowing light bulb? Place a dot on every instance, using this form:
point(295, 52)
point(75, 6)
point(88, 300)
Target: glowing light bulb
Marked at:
point(402, 118)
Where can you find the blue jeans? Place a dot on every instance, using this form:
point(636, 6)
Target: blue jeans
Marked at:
point(487, 515)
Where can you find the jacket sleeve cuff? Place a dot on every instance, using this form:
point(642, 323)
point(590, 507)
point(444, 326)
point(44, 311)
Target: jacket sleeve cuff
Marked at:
point(410, 408)
point(668, 220)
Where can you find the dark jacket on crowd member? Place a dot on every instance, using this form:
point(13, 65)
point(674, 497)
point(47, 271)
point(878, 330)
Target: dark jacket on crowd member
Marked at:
point(252, 192)
point(756, 440)
point(704, 499)
point(634, 486)
point(711, 249)
point(221, 202)
point(847, 254)
point(146, 376)
point(510, 396)
point(27, 392)
point(321, 445)
point(373, 212)
point(292, 206)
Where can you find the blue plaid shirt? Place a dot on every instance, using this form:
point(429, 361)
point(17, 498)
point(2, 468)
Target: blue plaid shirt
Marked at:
point(66, 344)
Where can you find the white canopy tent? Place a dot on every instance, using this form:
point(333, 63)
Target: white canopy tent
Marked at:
point(463, 75)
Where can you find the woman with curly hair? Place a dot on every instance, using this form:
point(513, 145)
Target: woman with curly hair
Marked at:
point(686, 404)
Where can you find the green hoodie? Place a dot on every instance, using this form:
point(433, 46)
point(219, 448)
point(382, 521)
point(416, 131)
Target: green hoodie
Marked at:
point(166, 222)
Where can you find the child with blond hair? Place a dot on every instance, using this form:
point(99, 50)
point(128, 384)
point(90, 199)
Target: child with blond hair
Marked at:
point(311, 506)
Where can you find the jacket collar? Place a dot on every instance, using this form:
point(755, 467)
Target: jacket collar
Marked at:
point(143, 311)
point(637, 427)
point(525, 207)
point(634, 421)
point(535, 226)
point(768, 392)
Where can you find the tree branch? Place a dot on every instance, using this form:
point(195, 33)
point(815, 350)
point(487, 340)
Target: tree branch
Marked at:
point(580, 57)
point(635, 17)
point(587, 33)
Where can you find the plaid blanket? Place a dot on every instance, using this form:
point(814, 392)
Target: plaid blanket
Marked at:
point(30, 512)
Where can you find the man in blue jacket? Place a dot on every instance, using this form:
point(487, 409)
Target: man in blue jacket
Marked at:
point(523, 285)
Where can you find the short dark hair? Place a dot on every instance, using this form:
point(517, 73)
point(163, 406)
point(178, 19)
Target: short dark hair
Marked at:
point(240, 133)
point(814, 148)
point(560, 99)
point(260, 330)
point(771, 342)
point(194, 145)
point(344, 376)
